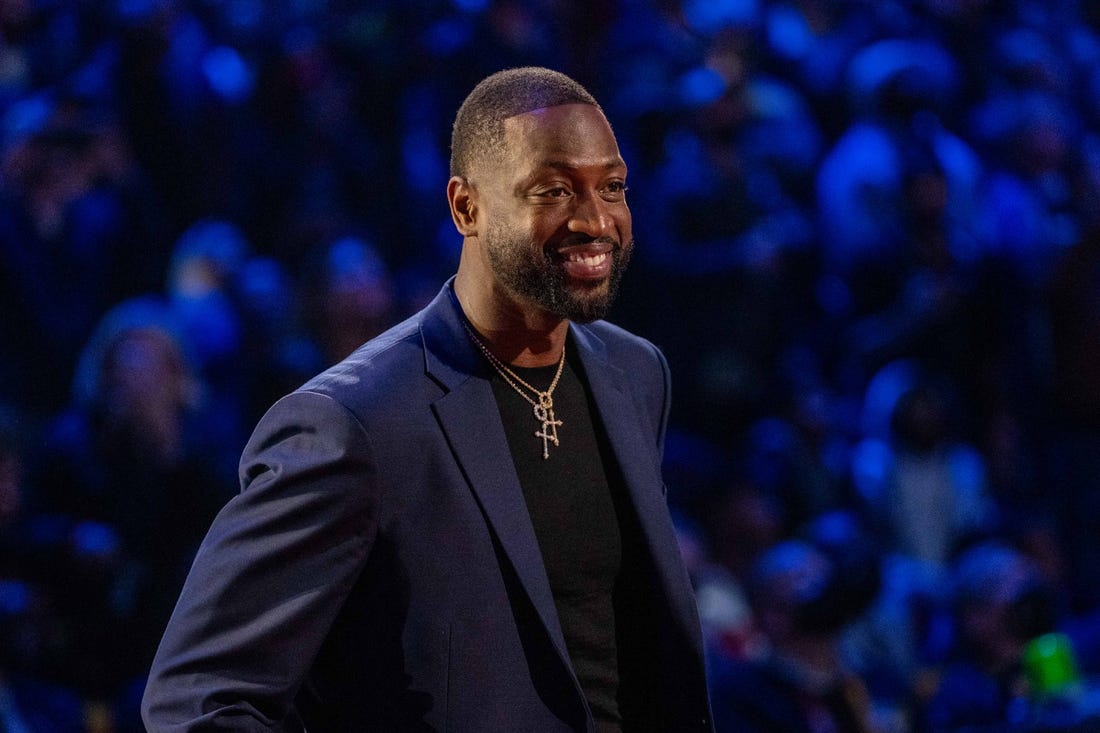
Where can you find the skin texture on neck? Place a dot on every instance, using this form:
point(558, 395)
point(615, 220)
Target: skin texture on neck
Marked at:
point(559, 189)
point(520, 335)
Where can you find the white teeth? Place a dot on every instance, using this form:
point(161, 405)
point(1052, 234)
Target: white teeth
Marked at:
point(590, 260)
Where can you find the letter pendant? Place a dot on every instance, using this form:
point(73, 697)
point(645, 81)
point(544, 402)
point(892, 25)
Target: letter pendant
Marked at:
point(544, 413)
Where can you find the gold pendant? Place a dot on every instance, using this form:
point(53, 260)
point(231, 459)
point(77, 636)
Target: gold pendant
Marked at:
point(544, 413)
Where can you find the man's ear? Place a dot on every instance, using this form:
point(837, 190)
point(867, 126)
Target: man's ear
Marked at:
point(461, 196)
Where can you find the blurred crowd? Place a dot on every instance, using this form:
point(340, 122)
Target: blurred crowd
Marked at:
point(868, 242)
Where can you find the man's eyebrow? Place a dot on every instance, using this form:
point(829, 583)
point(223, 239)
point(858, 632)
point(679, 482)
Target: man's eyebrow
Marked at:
point(572, 165)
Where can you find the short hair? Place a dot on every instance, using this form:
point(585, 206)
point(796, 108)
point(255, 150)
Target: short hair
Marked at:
point(478, 132)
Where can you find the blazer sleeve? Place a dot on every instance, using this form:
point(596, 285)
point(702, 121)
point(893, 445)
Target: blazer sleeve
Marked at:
point(270, 576)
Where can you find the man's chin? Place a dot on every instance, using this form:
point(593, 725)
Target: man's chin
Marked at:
point(589, 301)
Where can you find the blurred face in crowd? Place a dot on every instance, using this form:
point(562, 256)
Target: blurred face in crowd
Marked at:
point(557, 231)
point(145, 389)
point(1003, 615)
point(144, 372)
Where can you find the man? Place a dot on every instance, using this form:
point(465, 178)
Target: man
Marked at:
point(463, 526)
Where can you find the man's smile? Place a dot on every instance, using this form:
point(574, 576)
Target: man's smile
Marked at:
point(590, 261)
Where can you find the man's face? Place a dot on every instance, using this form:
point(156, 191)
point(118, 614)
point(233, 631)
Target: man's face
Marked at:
point(558, 231)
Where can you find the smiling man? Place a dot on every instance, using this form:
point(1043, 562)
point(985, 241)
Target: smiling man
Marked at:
point(556, 229)
point(463, 525)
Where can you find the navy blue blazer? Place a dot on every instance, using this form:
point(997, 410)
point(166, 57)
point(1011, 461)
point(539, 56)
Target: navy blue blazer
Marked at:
point(379, 570)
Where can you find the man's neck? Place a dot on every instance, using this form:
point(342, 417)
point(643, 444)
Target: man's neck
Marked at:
point(517, 335)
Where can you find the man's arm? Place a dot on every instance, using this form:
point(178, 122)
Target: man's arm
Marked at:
point(270, 576)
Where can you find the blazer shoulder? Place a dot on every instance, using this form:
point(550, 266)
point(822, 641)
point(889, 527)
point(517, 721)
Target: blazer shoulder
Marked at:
point(641, 360)
point(391, 351)
point(389, 365)
point(627, 348)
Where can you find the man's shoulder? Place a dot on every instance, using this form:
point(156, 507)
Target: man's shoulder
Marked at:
point(622, 345)
point(376, 368)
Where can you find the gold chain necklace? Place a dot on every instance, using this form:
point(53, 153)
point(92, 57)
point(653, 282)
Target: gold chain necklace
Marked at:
point(543, 403)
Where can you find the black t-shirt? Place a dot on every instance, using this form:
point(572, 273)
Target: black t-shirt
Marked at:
point(590, 543)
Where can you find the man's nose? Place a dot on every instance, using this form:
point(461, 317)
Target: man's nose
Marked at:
point(591, 215)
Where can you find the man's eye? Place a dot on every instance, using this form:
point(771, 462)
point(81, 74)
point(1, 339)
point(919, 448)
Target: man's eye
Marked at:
point(556, 192)
point(616, 187)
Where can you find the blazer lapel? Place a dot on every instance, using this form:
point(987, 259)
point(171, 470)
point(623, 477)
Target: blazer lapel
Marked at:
point(471, 422)
point(633, 448)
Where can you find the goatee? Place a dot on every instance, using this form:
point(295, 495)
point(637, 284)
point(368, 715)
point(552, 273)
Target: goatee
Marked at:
point(536, 276)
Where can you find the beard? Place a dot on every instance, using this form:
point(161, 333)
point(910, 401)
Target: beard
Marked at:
point(535, 276)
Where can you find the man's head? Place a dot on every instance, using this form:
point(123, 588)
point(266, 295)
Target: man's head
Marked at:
point(538, 192)
point(478, 133)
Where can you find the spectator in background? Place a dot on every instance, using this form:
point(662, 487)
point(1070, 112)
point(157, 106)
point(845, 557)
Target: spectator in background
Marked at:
point(202, 275)
point(351, 298)
point(203, 295)
point(801, 601)
point(1000, 604)
point(76, 235)
point(931, 506)
point(924, 487)
point(130, 475)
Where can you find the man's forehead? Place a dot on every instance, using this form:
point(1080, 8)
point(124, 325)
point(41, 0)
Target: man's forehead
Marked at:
point(566, 126)
point(549, 109)
point(561, 117)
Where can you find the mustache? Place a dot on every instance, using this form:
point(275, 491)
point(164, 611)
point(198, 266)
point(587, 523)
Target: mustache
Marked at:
point(574, 240)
